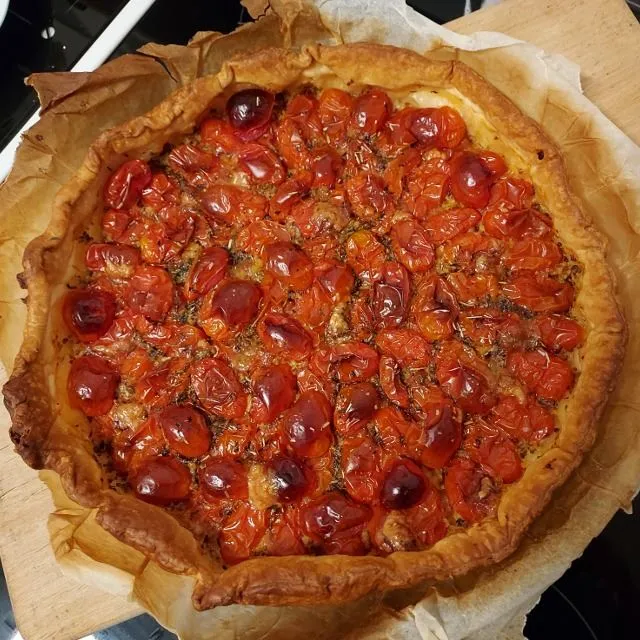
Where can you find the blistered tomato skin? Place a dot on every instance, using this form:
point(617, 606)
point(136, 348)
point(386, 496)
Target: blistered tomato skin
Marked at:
point(323, 324)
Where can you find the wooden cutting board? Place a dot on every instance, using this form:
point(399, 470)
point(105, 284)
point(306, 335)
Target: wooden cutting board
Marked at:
point(602, 36)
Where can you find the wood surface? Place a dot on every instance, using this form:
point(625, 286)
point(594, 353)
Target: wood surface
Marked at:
point(602, 36)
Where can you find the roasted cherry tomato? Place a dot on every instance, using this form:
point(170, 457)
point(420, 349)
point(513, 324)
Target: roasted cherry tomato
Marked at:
point(326, 165)
point(233, 205)
point(261, 164)
point(205, 273)
point(187, 160)
point(257, 235)
point(303, 110)
point(365, 255)
point(540, 293)
point(274, 390)
point(517, 224)
point(307, 425)
point(161, 480)
point(370, 112)
point(290, 192)
point(471, 492)
point(354, 361)
point(367, 196)
point(282, 334)
point(185, 430)
point(334, 110)
point(404, 485)
point(219, 135)
point(361, 470)
point(164, 384)
point(549, 377)
point(472, 289)
point(249, 112)
point(532, 254)
point(441, 439)
point(91, 385)
point(558, 332)
point(292, 146)
point(412, 246)
point(441, 127)
point(291, 478)
point(391, 382)
point(522, 420)
point(223, 479)
point(355, 406)
point(336, 524)
point(450, 223)
point(89, 314)
point(471, 179)
point(289, 264)
point(406, 346)
point(126, 183)
point(391, 293)
point(240, 533)
point(116, 260)
point(150, 292)
point(218, 389)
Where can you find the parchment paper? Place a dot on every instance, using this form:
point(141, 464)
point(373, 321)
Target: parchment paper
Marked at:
point(604, 170)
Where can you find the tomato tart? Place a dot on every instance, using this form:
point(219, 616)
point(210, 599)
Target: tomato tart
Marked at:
point(326, 323)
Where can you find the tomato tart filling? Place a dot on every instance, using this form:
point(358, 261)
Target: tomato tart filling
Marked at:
point(324, 323)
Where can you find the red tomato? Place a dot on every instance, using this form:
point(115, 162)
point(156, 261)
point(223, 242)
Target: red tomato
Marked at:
point(465, 383)
point(185, 431)
point(161, 480)
point(240, 533)
point(434, 307)
point(91, 386)
point(326, 166)
point(397, 170)
point(219, 134)
point(133, 446)
point(493, 162)
point(441, 439)
point(436, 324)
point(360, 465)
point(223, 479)
point(261, 164)
point(391, 294)
point(365, 255)
point(315, 218)
point(471, 180)
point(391, 382)
point(335, 278)
point(150, 292)
point(471, 289)
point(427, 186)
point(511, 193)
point(312, 307)
point(114, 224)
point(396, 134)
point(489, 326)
point(427, 519)
point(493, 451)
point(470, 490)
point(430, 404)
point(404, 485)
point(370, 112)
point(206, 272)
point(233, 205)
point(218, 389)
point(88, 314)
point(291, 479)
point(187, 160)
point(476, 251)
point(397, 435)
point(517, 224)
point(550, 377)
point(280, 333)
point(283, 537)
point(336, 524)
point(307, 425)
point(524, 421)
point(289, 264)
point(274, 390)
point(412, 247)
point(532, 254)
point(290, 192)
point(249, 112)
point(354, 361)
point(539, 293)
point(162, 192)
point(450, 223)
point(367, 196)
point(257, 235)
point(136, 365)
point(406, 346)
point(164, 384)
point(292, 147)
point(334, 111)
point(124, 186)
point(117, 260)
point(355, 407)
point(303, 110)
point(440, 127)
point(558, 332)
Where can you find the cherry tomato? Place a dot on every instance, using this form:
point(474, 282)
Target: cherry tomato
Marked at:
point(150, 292)
point(397, 170)
point(558, 332)
point(550, 377)
point(335, 278)
point(391, 294)
point(274, 388)
point(532, 254)
point(354, 361)
point(241, 531)
point(292, 479)
point(292, 146)
point(367, 196)
point(220, 135)
point(361, 317)
point(429, 405)
point(326, 166)
point(365, 255)
point(91, 386)
point(303, 110)
point(218, 389)
point(441, 127)
point(412, 247)
point(471, 289)
point(489, 326)
point(257, 235)
point(361, 469)
point(114, 224)
point(334, 110)
point(493, 451)
point(261, 164)
point(161, 192)
point(231, 306)
point(441, 439)
point(283, 537)
point(471, 180)
point(126, 183)
point(539, 293)
point(280, 333)
point(370, 112)
point(315, 218)
point(396, 134)
point(472, 251)
point(465, 384)
point(185, 431)
point(391, 382)
point(249, 112)
point(406, 346)
point(221, 478)
point(187, 160)
point(511, 193)
point(161, 480)
point(404, 485)
point(517, 224)
point(450, 223)
point(397, 435)
point(290, 192)
point(336, 524)
point(116, 260)
point(522, 420)
point(426, 520)
point(88, 314)
point(136, 365)
point(435, 324)
point(470, 490)
point(355, 406)
point(233, 205)
point(164, 384)
point(289, 264)
point(307, 425)
point(205, 273)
